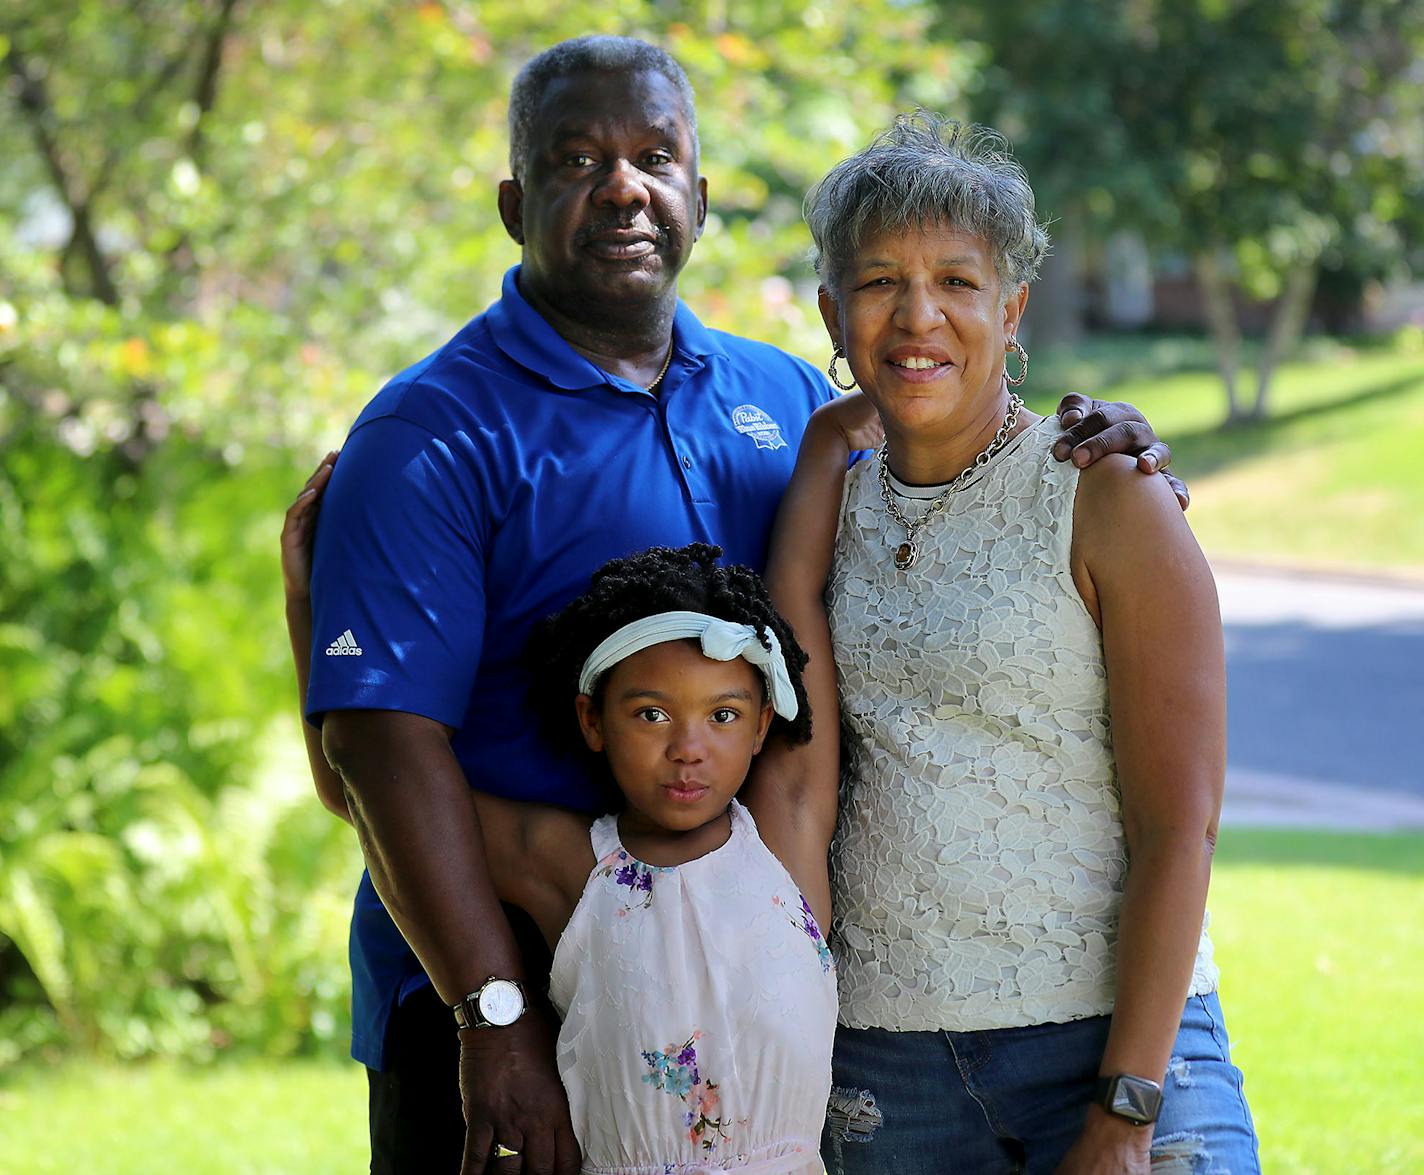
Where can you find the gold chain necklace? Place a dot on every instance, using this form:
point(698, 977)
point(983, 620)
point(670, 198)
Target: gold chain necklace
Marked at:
point(908, 551)
point(663, 371)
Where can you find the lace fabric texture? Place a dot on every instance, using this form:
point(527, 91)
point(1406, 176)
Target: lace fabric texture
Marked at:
point(699, 1008)
point(979, 857)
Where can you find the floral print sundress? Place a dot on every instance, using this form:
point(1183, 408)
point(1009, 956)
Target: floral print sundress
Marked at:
point(699, 1008)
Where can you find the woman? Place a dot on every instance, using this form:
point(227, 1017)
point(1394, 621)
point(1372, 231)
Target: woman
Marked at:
point(1014, 995)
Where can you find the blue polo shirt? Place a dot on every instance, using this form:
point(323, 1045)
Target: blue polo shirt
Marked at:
point(476, 494)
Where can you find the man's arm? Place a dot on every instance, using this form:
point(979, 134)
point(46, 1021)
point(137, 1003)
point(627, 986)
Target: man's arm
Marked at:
point(420, 833)
point(398, 583)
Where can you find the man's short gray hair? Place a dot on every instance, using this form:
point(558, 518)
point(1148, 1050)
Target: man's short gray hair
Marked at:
point(928, 170)
point(593, 54)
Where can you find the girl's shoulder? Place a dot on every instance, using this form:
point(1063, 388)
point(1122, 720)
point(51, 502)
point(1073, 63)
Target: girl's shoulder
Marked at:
point(559, 844)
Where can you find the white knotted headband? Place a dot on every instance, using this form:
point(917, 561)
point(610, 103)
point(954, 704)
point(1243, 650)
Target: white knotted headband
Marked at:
point(722, 640)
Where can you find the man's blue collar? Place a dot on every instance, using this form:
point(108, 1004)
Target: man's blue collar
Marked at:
point(531, 342)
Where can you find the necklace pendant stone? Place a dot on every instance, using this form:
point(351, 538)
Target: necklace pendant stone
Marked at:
point(906, 554)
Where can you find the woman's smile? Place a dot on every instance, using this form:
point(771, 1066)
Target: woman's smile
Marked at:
point(919, 365)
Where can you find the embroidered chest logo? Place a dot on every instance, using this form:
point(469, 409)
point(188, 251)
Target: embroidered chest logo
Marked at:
point(751, 421)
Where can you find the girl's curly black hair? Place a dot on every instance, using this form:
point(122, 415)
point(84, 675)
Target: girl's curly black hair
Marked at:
point(661, 579)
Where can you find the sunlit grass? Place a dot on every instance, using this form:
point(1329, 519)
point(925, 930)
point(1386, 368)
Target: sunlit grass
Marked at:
point(239, 1118)
point(1320, 938)
point(1335, 475)
point(1321, 945)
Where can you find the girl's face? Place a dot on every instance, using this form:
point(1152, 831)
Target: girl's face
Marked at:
point(679, 731)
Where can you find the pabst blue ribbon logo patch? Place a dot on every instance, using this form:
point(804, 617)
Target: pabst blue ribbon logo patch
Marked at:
point(751, 421)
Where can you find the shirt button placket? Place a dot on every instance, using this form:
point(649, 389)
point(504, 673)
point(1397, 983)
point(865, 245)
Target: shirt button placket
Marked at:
point(687, 467)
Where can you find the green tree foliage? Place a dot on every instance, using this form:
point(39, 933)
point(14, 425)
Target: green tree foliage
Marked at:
point(221, 225)
point(1262, 140)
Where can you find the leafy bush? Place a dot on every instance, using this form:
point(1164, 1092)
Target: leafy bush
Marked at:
point(154, 898)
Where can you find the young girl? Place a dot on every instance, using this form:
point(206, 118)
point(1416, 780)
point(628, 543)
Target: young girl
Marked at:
point(696, 990)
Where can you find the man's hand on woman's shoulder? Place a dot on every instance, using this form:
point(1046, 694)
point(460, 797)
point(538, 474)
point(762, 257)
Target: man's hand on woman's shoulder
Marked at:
point(1094, 428)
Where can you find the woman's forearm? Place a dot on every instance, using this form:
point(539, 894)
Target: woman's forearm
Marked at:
point(792, 789)
point(328, 784)
point(1160, 922)
point(797, 567)
point(1142, 574)
point(805, 530)
point(298, 538)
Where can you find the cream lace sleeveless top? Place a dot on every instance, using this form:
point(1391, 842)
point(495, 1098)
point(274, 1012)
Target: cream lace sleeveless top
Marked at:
point(979, 857)
point(699, 1006)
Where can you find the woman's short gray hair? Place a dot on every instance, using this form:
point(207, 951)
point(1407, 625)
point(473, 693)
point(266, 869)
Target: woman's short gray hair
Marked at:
point(925, 170)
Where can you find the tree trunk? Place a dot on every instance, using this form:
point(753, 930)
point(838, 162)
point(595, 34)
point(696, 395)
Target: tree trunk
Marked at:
point(1057, 316)
point(1221, 318)
point(1287, 323)
point(182, 264)
point(83, 248)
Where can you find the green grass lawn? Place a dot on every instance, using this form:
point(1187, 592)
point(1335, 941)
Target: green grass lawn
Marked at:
point(1320, 938)
point(1333, 478)
point(1321, 943)
point(238, 1118)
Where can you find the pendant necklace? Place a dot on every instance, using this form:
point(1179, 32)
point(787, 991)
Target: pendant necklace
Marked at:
point(909, 551)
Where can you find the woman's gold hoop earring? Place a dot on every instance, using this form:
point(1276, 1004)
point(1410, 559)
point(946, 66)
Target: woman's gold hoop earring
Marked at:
point(836, 379)
point(1023, 359)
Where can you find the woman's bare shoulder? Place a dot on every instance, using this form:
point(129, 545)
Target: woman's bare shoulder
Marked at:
point(1129, 535)
point(1113, 490)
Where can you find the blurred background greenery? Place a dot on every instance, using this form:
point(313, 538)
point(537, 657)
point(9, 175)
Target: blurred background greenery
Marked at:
point(224, 222)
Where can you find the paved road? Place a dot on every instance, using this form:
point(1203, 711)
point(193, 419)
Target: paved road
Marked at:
point(1326, 680)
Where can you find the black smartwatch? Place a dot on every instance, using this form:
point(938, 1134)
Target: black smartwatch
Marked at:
point(496, 1003)
point(1134, 1099)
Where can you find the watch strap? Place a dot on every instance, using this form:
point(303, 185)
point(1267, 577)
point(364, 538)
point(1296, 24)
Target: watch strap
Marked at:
point(467, 1012)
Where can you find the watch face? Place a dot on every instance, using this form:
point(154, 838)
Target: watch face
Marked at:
point(1135, 1099)
point(501, 1002)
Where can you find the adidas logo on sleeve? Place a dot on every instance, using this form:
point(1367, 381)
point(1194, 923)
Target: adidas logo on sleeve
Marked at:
point(344, 646)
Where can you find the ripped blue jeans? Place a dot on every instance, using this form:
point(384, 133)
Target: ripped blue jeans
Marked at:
point(1014, 1100)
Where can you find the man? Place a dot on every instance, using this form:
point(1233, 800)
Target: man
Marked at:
point(585, 415)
